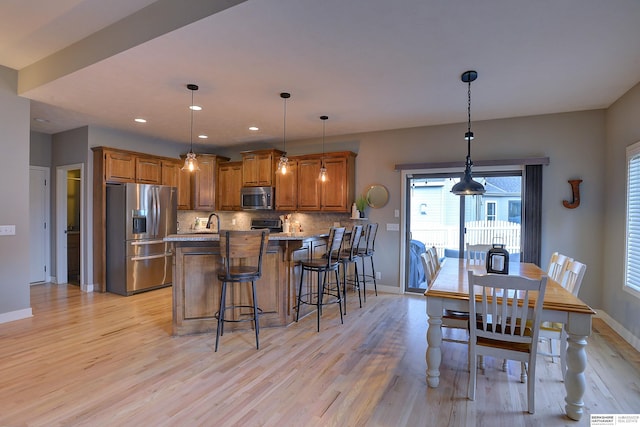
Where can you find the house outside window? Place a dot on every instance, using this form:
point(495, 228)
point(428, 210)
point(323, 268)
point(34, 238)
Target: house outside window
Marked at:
point(491, 211)
point(632, 255)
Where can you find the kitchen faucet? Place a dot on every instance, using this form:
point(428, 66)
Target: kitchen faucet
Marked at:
point(217, 221)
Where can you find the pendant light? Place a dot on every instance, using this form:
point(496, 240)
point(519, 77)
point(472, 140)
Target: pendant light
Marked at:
point(190, 162)
point(467, 186)
point(283, 164)
point(323, 177)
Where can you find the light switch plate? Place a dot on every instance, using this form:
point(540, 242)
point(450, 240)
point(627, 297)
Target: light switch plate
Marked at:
point(7, 230)
point(393, 227)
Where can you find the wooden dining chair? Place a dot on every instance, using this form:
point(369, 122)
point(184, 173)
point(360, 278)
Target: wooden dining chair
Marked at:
point(435, 258)
point(450, 319)
point(477, 253)
point(554, 332)
point(506, 327)
point(557, 266)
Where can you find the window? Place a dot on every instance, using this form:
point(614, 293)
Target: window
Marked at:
point(491, 211)
point(515, 211)
point(632, 258)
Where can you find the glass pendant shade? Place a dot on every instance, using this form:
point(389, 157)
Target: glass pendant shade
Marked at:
point(190, 162)
point(283, 164)
point(323, 176)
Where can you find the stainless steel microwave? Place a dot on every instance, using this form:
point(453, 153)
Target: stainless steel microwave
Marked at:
point(257, 198)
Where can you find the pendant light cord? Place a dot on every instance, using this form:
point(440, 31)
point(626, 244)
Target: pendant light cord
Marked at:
point(469, 124)
point(284, 127)
point(191, 133)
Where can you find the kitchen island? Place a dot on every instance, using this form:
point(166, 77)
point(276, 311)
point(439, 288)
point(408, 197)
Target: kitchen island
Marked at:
point(196, 288)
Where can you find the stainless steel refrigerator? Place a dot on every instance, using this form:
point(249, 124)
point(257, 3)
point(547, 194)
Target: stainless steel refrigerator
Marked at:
point(138, 217)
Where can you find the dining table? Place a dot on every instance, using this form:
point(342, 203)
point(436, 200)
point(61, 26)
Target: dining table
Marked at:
point(449, 290)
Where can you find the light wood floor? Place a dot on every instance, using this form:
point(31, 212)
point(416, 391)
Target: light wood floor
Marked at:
point(106, 360)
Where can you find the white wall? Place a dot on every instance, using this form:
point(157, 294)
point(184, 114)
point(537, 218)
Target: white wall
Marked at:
point(623, 129)
point(14, 193)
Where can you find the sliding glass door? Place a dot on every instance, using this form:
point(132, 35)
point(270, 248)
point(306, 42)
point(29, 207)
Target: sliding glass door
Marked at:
point(436, 217)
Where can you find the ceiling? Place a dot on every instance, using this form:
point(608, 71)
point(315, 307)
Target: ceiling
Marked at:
point(368, 64)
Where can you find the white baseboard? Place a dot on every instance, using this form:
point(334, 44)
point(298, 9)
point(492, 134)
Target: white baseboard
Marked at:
point(620, 330)
point(385, 288)
point(15, 315)
point(87, 287)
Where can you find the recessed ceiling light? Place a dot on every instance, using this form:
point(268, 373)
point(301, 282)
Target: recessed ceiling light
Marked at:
point(41, 120)
point(203, 136)
point(140, 120)
point(254, 128)
point(195, 107)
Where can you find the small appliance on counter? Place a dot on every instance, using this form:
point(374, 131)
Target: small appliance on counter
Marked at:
point(274, 225)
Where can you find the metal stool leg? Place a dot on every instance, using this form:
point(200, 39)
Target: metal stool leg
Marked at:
point(220, 330)
point(344, 285)
point(339, 300)
point(299, 294)
point(256, 322)
point(373, 274)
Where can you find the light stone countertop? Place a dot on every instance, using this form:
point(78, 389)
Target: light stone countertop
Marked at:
point(214, 237)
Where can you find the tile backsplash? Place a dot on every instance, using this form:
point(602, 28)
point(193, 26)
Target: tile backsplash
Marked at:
point(309, 222)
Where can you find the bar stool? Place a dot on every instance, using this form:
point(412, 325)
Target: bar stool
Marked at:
point(241, 253)
point(330, 261)
point(348, 256)
point(367, 252)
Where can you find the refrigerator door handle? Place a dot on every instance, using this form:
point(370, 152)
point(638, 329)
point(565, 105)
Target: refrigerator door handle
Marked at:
point(142, 258)
point(156, 191)
point(147, 242)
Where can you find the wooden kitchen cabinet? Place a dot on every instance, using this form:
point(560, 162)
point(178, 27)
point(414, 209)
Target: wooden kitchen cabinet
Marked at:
point(287, 188)
point(334, 195)
point(119, 166)
point(203, 182)
point(309, 186)
point(229, 184)
point(258, 167)
point(338, 192)
point(174, 176)
point(148, 170)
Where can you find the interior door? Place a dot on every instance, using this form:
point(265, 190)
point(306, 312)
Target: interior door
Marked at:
point(38, 224)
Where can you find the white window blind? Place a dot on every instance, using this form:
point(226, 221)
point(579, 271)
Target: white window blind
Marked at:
point(632, 259)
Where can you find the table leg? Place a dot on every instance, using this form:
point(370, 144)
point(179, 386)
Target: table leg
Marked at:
point(575, 382)
point(434, 339)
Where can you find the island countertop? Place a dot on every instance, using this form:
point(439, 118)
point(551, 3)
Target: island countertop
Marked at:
point(214, 237)
point(196, 286)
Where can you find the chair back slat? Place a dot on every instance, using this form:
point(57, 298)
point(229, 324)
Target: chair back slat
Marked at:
point(573, 275)
point(427, 266)
point(370, 237)
point(354, 241)
point(477, 253)
point(235, 245)
point(334, 245)
point(503, 311)
point(557, 266)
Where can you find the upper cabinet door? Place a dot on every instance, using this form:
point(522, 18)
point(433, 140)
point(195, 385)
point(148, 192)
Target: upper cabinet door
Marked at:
point(148, 170)
point(204, 186)
point(308, 184)
point(173, 176)
point(119, 167)
point(336, 190)
point(229, 183)
point(287, 188)
point(258, 167)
